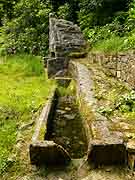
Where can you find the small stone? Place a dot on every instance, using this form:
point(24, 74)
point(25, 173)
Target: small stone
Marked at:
point(33, 168)
point(26, 126)
point(61, 111)
point(68, 109)
point(81, 143)
point(53, 134)
point(70, 117)
point(67, 142)
point(108, 170)
point(75, 137)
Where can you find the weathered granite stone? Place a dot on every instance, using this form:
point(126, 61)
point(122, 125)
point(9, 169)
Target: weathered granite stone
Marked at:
point(64, 36)
point(107, 146)
point(42, 121)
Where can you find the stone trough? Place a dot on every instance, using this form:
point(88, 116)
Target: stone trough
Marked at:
point(43, 151)
point(59, 134)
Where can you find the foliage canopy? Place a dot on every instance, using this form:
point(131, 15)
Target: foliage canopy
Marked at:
point(24, 23)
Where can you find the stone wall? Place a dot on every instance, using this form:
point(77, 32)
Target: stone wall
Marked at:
point(121, 66)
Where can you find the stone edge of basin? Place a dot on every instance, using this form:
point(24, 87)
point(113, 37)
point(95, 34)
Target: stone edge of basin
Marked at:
point(42, 151)
point(97, 149)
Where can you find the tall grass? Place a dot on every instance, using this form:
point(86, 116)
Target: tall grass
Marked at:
point(114, 44)
point(24, 88)
point(28, 65)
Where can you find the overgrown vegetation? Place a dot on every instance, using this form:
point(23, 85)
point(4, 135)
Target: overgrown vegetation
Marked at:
point(27, 31)
point(124, 105)
point(67, 91)
point(23, 91)
point(108, 25)
point(114, 98)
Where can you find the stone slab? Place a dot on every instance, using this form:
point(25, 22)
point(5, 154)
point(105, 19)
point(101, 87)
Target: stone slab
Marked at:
point(107, 153)
point(42, 121)
point(57, 67)
point(48, 153)
point(66, 34)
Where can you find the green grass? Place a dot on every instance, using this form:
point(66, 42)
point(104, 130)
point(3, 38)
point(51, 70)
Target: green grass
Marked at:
point(69, 91)
point(114, 44)
point(24, 88)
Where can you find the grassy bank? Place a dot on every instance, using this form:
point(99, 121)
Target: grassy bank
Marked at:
point(23, 91)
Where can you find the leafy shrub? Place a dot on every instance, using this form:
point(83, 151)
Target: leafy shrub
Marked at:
point(106, 111)
point(100, 12)
point(63, 11)
point(97, 34)
point(130, 25)
point(113, 44)
point(130, 41)
point(28, 31)
point(127, 102)
point(103, 20)
point(7, 9)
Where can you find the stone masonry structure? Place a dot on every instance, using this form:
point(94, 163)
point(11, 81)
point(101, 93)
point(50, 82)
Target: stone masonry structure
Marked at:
point(64, 38)
point(121, 66)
